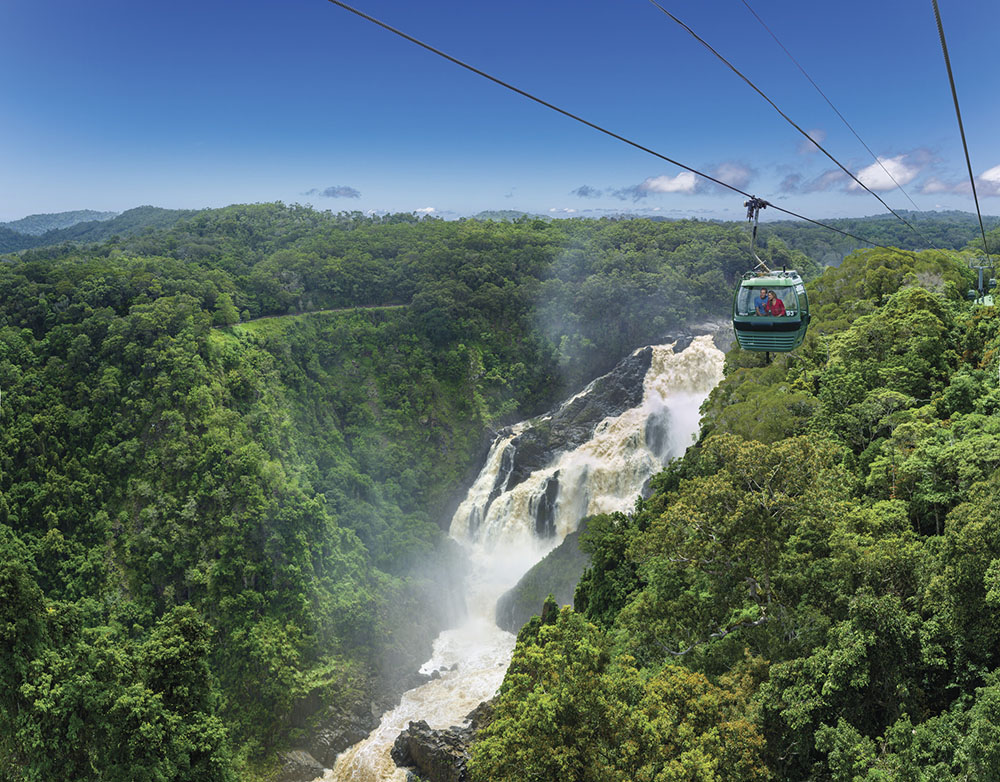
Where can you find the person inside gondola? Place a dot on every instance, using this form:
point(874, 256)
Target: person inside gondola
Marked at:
point(775, 306)
point(761, 303)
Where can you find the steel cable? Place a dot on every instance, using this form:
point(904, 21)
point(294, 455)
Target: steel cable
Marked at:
point(595, 126)
point(830, 104)
point(961, 127)
point(788, 119)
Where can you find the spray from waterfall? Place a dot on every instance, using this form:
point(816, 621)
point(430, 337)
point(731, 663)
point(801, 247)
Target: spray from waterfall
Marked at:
point(511, 518)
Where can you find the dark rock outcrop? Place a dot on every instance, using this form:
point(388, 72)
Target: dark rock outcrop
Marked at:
point(573, 423)
point(297, 765)
point(657, 434)
point(545, 508)
point(338, 730)
point(440, 755)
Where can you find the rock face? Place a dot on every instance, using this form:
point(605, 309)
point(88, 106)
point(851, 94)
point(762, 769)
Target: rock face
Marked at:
point(337, 731)
point(298, 765)
point(564, 429)
point(557, 574)
point(535, 444)
point(572, 424)
point(440, 755)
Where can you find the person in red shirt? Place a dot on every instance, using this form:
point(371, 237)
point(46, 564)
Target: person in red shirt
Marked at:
point(775, 306)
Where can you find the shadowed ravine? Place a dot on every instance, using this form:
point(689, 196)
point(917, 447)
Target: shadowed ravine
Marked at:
point(506, 528)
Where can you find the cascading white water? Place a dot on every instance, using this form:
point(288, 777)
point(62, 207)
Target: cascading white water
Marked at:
point(604, 474)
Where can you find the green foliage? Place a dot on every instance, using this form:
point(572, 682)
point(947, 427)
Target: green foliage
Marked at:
point(227, 444)
point(830, 542)
point(230, 439)
point(90, 703)
point(565, 712)
point(951, 230)
point(610, 578)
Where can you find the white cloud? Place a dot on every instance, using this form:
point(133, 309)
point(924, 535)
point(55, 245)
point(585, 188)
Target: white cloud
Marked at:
point(735, 174)
point(564, 211)
point(991, 175)
point(934, 185)
point(586, 191)
point(425, 210)
point(880, 176)
point(987, 184)
point(990, 181)
point(732, 172)
point(828, 180)
point(806, 146)
point(336, 191)
point(684, 182)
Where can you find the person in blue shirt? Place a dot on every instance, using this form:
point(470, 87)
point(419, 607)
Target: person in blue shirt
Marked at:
point(761, 303)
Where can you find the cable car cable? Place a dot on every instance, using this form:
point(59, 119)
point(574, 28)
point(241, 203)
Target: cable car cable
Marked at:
point(754, 205)
point(961, 127)
point(607, 132)
point(788, 119)
point(830, 103)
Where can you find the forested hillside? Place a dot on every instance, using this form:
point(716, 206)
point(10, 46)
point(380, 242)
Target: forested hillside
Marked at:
point(949, 230)
point(228, 448)
point(944, 230)
point(813, 591)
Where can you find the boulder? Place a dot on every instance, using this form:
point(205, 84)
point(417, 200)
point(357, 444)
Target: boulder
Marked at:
point(440, 755)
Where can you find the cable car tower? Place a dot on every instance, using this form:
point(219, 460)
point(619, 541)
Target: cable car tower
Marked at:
point(981, 295)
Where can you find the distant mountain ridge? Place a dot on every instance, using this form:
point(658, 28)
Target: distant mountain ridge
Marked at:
point(36, 225)
point(950, 229)
point(507, 215)
point(128, 223)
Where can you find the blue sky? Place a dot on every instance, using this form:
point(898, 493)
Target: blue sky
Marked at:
point(112, 104)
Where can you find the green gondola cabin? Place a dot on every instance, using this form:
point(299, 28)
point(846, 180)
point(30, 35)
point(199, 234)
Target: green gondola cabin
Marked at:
point(776, 333)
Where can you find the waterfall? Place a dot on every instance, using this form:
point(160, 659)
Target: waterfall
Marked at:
point(511, 517)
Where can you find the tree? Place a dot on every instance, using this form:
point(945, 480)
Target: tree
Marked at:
point(226, 313)
point(565, 712)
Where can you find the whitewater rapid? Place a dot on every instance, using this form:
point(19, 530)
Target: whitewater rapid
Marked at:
point(604, 474)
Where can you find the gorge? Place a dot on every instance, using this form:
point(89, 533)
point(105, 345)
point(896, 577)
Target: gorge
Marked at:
point(593, 454)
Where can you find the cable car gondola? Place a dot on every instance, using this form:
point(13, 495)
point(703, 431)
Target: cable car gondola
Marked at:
point(768, 332)
point(776, 321)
